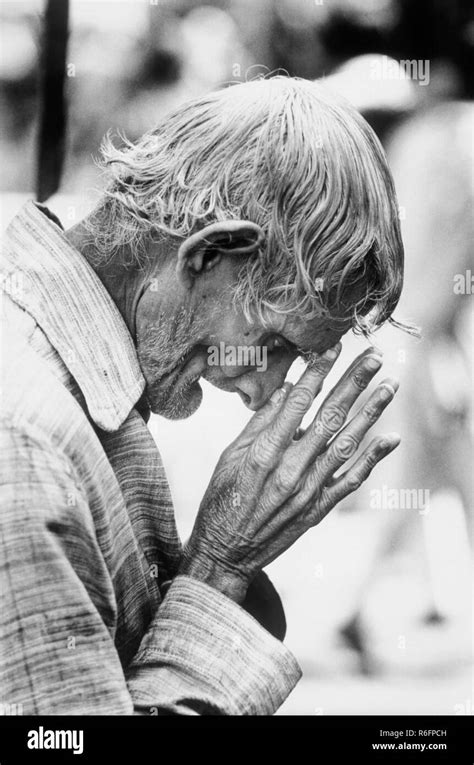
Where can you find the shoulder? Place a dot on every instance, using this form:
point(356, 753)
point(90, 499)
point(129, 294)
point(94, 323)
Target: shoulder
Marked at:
point(38, 408)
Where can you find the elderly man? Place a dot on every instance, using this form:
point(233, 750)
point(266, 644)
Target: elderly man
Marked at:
point(264, 216)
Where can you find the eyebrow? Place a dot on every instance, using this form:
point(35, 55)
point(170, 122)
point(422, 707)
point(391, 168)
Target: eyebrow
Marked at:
point(306, 355)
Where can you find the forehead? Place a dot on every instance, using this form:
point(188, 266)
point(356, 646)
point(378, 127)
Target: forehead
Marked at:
point(314, 335)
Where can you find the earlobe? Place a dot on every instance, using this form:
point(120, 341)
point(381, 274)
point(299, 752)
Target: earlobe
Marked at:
point(203, 250)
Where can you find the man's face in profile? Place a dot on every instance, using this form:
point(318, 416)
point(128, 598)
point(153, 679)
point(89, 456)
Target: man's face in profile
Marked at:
point(185, 335)
point(286, 157)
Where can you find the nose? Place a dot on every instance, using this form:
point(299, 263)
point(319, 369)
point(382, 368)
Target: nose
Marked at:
point(255, 388)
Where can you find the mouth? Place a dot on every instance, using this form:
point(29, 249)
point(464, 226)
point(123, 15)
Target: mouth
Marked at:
point(185, 377)
point(177, 393)
point(190, 362)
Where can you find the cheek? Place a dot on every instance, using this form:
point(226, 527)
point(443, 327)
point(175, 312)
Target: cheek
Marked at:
point(280, 362)
point(149, 308)
point(227, 324)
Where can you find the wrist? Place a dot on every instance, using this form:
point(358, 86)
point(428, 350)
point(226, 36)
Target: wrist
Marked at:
point(205, 569)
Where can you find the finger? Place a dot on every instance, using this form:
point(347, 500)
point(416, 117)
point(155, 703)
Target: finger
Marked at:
point(316, 502)
point(264, 415)
point(345, 444)
point(283, 426)
point(337, 405)
point(311, 503)
point(354, 477)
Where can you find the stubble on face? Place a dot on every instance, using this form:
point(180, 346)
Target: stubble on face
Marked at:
point(165, 353)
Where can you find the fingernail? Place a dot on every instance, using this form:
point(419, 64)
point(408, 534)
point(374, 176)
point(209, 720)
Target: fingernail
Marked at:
point(394, 438)
point(373, 362)
point(376, 350)
point(386, 392)
point(392, 383)
point(332, 353)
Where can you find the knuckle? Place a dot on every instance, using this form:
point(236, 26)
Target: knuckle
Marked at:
point(225, 453)
point(358, 379)
point(300, 399)
point(224, 458)
point(371, 413)
point(371, 461)
point(259, 455)
point(272, 438)
point(285, 480)
point(320, 367)
point(312, 487)
point(332, 417)
point(316, 432)
point(345, 446)
point(310, 514)
point(317, 507)
point(354, 481)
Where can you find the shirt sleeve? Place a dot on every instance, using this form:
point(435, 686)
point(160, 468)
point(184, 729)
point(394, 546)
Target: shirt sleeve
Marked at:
point(205, 655)
point(202, 653)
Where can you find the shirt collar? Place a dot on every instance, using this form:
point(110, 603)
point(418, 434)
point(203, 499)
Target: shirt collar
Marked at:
point(71, 305)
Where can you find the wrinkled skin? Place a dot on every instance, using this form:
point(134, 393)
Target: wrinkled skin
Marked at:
point(280, 487)
point(268, 488)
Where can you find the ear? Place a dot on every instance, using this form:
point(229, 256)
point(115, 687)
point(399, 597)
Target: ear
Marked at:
point(203, 250)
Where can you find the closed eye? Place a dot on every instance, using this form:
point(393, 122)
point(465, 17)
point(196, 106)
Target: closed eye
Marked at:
point(277, 343)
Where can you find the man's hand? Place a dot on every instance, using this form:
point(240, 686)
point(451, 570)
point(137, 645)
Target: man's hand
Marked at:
point(269, 488)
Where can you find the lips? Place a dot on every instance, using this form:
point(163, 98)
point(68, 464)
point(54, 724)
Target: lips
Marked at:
point(195, 365)
point(177, 366)
point(190, 369)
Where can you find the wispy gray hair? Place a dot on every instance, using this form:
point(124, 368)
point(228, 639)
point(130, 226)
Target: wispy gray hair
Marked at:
point(288, 155)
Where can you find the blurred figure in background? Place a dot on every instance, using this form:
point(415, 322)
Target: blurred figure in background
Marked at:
point(18, 102)
point(430, 152)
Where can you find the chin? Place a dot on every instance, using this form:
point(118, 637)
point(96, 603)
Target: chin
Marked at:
point(176, 404)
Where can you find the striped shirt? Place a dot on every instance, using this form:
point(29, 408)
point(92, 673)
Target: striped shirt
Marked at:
point(87, 529)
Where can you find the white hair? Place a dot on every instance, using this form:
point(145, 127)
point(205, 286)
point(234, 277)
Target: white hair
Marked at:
point(288, 155)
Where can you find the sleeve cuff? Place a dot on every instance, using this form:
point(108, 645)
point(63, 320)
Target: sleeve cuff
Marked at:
point(203, 654)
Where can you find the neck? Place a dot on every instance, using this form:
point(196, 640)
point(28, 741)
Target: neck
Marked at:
point(124, 285)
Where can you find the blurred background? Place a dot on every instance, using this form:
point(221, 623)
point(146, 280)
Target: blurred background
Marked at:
point(378, 597)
